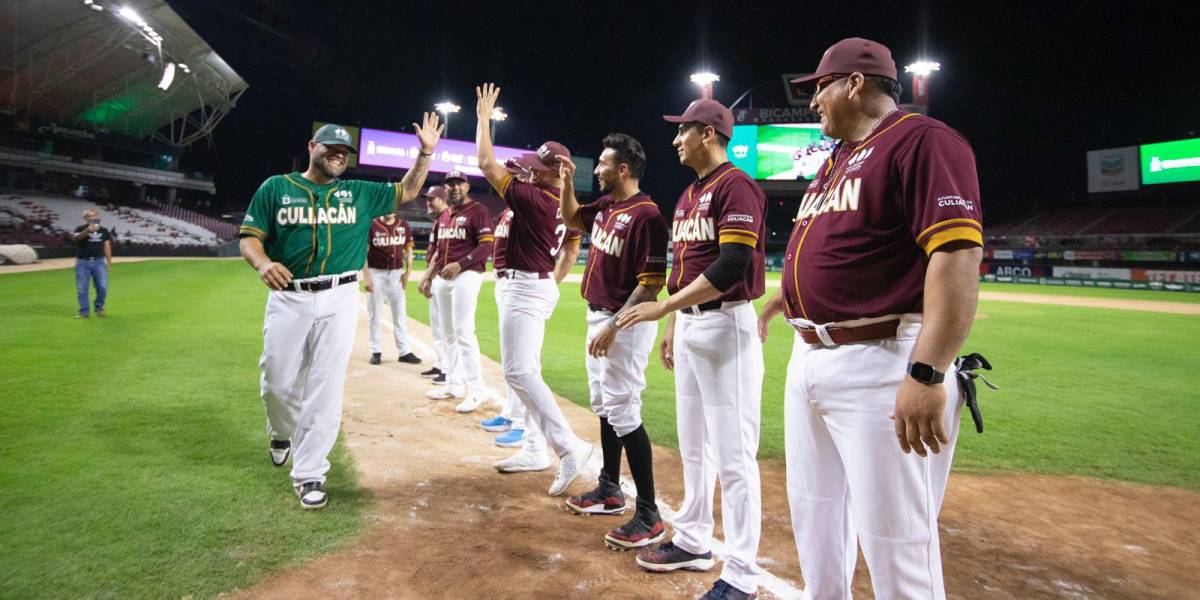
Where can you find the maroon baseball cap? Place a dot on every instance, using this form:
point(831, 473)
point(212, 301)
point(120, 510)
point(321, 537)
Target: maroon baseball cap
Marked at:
point(455, 174)
point(854, 55)
point(522, 164)
point(435, 191)
point(709, 112)
point(545, 154)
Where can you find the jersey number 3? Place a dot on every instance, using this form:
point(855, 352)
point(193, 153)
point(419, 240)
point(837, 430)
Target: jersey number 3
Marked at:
point(560, 232)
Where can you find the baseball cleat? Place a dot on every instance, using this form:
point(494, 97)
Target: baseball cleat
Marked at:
point(431, 373)
point(280, 451)
point(312, 495)
point(669, 557)
point(82, 316)
point(597, 502)
point(440, 394)
point(375, 358)
point(100, 313)
point(569, 468)
point(637, 533)
point(513, 438)
point(496, 424)
point(410, 358)
point(469, 404)
point(723, 591)
point(439, 379)
point(524, 461)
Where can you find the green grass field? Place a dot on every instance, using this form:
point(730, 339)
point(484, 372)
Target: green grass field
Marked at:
point(134, 458)
point(134, 461)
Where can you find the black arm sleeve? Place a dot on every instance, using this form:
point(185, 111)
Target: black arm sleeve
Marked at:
point(730, 266)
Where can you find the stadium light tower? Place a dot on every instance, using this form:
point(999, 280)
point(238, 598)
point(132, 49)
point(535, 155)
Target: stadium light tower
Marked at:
point(447, 108)
point(920, 71)
point(705, 80)
point(497, 115)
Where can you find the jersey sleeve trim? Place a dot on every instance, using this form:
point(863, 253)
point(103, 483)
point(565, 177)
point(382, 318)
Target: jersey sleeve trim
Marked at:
point(953, 234)
point(504, 185)
point(652, 279)
point(738, 237)
point(962, 222)
point(247, 230)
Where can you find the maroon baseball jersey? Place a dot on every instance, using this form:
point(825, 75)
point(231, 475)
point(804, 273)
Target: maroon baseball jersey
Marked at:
point(501, 239)
point(873, 215)
point(388, 244)
point(629, 248)
point(536, 232)
point(464, 235)
point(726, 206)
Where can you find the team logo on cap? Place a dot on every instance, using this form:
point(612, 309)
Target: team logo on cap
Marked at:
point(342, 134)
point(543, 151)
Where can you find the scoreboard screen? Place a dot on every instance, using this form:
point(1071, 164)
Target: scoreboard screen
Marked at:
point(789, 152)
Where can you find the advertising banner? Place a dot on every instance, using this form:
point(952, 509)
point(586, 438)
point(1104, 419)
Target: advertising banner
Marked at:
point(1171, 162)
point(1092, 273)
point(1112, 170)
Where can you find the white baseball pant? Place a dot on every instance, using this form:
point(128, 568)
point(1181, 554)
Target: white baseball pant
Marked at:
point(385, 286)
point(616, 381)
point(457, 299)
point(528, 303)
point(441, 352)
point(514, 409)
point(307, 340)
point(848, 481)
point(718, 395)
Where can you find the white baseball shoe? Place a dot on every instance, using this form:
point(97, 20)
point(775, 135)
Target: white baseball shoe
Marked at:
point(524, 461)
point(569, 468)
point(441, 393)
point(280, 450)
point(469, 404)
point(312, 495)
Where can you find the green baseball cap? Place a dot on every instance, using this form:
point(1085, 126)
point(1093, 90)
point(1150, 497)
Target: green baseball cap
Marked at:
point(334, 135)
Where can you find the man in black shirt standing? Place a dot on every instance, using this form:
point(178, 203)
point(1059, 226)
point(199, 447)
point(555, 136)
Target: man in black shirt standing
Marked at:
point(92, 262)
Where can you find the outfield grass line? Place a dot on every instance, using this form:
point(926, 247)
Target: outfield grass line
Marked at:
point(1158, 306)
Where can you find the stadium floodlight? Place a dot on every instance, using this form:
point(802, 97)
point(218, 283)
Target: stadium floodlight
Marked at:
point(129, 14)
point(167, 77)
point(87, 2)
point(705, 80)
point(447, 108)
point(923, 68)
point(498, 114)
point(97, 7)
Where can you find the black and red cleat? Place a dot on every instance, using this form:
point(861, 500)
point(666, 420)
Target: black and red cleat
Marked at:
point(597, 502)
point(638, 532)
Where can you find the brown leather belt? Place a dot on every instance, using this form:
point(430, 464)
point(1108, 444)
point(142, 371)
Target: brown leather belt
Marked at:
point(850, 335)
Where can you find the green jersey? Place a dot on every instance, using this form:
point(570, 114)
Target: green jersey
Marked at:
point(317, 229)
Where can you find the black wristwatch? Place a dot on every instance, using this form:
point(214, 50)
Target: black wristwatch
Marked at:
point(924, 373)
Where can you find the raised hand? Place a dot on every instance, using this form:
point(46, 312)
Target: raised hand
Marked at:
point(485, 103)
point(566, 168)
point(429, 132)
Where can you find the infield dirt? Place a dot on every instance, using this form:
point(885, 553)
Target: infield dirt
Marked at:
point(444, 524)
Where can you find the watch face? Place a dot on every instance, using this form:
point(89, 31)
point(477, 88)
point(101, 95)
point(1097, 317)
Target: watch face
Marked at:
point(921, 372)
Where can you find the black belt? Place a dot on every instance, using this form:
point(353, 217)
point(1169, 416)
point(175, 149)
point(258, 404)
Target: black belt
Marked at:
point(504, 274)
point(598, 308)
point(321, 284)
point(699, 308)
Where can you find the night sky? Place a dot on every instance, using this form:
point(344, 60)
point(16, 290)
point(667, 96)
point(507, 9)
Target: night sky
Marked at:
point(1032, 86)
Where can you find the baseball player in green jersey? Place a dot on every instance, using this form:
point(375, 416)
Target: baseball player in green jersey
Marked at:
point(306, 235)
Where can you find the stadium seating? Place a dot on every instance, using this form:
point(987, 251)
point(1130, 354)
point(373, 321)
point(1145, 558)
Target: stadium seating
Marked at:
point(54, 217)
